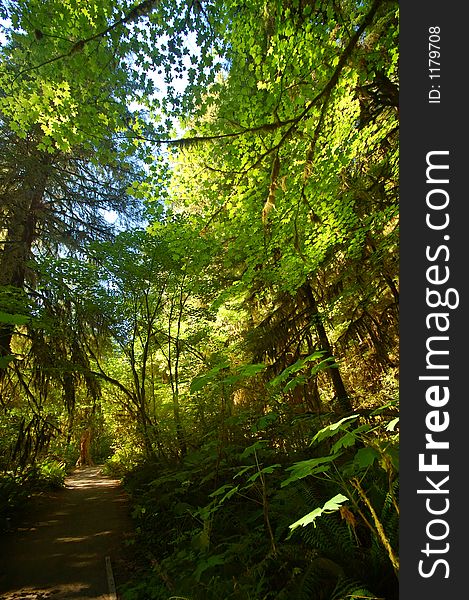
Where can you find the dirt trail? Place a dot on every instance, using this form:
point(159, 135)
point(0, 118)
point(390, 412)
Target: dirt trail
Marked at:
point(59, 548)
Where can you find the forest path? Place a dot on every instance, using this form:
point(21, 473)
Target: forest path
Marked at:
point(59, 548)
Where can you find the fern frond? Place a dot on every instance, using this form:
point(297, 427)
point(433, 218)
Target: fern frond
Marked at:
point(351, 589)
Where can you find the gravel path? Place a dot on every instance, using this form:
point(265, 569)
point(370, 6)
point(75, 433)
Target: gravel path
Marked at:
point(58, 551)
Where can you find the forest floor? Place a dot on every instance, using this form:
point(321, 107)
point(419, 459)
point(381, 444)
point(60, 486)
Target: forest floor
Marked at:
point(58, 547)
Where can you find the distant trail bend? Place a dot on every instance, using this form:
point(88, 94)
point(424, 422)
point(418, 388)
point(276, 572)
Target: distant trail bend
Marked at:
point(70, 545)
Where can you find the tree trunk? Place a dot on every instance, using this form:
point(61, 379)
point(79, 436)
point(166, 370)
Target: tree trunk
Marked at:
point(85, 450)
point(341, 394)
point(17, 247)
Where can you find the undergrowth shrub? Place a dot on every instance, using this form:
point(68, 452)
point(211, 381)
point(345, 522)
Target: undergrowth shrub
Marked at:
point(12, 495)
point(17, 487)
point(218, 524)
point(49, 474)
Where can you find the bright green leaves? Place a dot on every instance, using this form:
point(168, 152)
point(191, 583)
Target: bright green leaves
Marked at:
point(51, 88)
point(53, 109)
point(330, 506)
point(293, 188)
point(291, 92)
point(105, 52)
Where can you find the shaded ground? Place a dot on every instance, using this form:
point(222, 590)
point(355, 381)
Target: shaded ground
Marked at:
point(58, 550)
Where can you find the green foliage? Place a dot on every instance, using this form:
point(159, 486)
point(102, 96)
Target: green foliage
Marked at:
point(298, 366)
point(312, 466)
point(331, 430)
point(208, 521)
point(16, 488)
point(230, 342)
point(51, 474)
point(13, 319)
point(230, 545)
point(12, 495)
point(330, 506)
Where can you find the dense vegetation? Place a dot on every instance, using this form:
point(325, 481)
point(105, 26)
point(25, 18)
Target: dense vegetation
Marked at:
point(199, 282)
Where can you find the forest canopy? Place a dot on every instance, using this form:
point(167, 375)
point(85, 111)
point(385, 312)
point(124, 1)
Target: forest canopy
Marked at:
point(199, 281)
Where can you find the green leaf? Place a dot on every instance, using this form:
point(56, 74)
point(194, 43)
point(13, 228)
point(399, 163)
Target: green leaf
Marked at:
point(305, 468)
point(297, 366)
point(345, 441)
point(220, 490)
point(243, 470)
point(365, 457)
point(392, 424)
point(269, 469)
point(13, 319)
point(293, 383)
point(199, 383)
point(330, 506)
point(251, 370)
point(264, 421)
point(252, 449)
point(380, 409)
point(330, 430)
point(227, 490)
point(212, 561)
point(6, 360)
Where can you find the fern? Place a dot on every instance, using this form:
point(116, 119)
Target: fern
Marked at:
point(331, 537)
point(351, 589)
point(316, 581)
